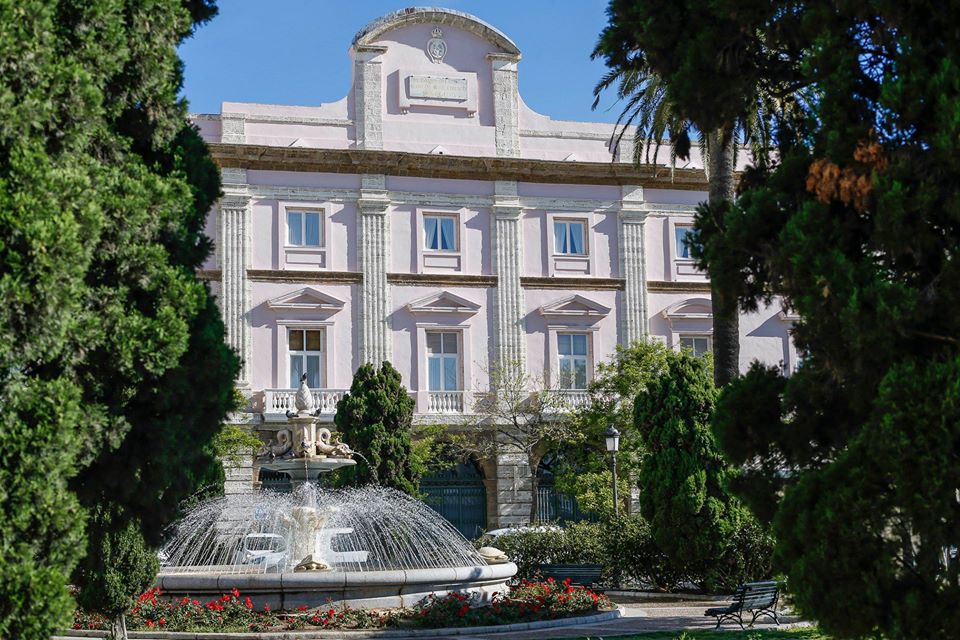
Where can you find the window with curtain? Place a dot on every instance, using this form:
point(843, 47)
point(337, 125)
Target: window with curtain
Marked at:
point(443, 360)
point(572, 348)
point(440, 233)
point(306, 349)
point(568, 237)
point(699, 345)
point(304, 229)
point(683, 250)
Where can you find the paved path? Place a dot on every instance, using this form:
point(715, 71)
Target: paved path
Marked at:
point(640, 616)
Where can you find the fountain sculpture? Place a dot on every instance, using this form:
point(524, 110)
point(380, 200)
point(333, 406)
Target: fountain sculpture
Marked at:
point(366, 547)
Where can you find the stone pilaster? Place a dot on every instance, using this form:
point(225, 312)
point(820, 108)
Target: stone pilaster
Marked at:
point(233, 128)
point(506, 103)
point(507, 243)
point(631, 229)
point(233, 246)
point(374, 255)
point(368, 96)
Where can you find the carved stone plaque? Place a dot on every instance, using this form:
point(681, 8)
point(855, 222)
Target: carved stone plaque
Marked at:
point(438, 88)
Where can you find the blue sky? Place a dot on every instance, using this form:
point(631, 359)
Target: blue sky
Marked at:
point(295, 51)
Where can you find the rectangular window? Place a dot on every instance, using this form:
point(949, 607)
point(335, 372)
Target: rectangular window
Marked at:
point(572, 348)
point(443, 360)
point(683, 249)
point(440, 233)
point(568, 237)
point(304, 229)
point(699, 345)
point(306, 348)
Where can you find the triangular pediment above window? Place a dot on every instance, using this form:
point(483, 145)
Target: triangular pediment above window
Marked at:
point(692, 309)
point(575, 306)
point(307, 298)
point(443, 302)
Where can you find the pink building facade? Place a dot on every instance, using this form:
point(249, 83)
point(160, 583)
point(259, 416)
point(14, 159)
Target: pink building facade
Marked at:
point(430, 218)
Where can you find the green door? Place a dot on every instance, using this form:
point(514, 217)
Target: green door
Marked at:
point(459, 496)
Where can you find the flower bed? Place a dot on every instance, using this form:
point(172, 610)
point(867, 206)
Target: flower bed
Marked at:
point(234, 612)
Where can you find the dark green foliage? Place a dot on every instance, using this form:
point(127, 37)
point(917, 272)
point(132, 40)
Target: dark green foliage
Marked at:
point(682, 478)
point(104, 189)
point(375, 418)
point(118, 565)
point(856, 228)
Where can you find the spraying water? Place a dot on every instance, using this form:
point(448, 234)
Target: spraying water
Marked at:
point(372, 528)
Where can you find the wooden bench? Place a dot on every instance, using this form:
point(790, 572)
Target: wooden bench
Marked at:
point(756, 598)
point(587, 575)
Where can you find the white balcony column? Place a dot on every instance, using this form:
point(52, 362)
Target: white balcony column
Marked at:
point(506, 103)
point(374, 255)
point(368, 96)
point(507, 242)
point(631, 229)
point(233, 251)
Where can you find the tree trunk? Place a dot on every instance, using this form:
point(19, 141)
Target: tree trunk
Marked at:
point(726, 317)
point(118, 627)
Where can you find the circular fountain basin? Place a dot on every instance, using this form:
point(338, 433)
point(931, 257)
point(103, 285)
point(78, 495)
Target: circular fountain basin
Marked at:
point(306, 469)
point(356, 589)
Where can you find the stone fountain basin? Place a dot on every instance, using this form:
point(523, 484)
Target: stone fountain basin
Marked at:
point(356, 589)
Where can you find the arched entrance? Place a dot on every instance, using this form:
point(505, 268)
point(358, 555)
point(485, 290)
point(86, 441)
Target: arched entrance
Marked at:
point(459, 496)
point(553, 506)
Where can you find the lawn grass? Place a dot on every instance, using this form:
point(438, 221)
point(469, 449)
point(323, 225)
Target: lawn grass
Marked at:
point(756, 634)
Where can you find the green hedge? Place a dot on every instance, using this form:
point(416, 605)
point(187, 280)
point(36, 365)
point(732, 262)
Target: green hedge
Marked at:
point(629, 555)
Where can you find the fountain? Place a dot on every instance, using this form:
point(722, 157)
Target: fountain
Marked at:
point(370, 547)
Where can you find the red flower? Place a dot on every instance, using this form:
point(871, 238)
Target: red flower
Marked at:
point(248, 603)
point(463, 610)
point(266, 608)
point(235, 592)
point(162, 621)
point(302, 608)
point(149, 623)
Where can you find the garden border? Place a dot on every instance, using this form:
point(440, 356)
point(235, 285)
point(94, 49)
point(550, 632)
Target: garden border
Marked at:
point(358, 634)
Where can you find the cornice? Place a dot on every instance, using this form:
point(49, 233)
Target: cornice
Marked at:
point(660, 286)
point(441, 279)
point(423, 165)
point(588, 284)
point(310, 277)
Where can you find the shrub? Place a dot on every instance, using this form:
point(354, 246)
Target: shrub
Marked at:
point(581, 543)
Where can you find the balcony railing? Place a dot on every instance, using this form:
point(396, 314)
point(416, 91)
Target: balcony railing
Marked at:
point(445, 402)
point(575, 398)
point(279, 401)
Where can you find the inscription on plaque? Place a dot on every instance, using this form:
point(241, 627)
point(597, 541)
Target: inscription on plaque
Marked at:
point(438, 88)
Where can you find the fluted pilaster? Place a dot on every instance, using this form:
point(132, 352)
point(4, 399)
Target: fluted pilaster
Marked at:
point(374, 256)
point(507, 243)
point(368, 97)
point(633, 317)
point(234, 252)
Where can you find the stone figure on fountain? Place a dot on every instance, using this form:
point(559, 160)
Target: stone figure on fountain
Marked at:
point(305, 440)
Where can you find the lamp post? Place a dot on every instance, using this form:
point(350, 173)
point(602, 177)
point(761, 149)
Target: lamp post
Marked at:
point(612, 437)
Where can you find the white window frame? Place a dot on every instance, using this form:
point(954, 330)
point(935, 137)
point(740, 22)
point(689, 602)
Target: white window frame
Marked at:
point(458, 337)
point(443, 260)
point(303, 257)
point(678, 268)
point(440, 218)
point(304, 353)
point(677, 246)
point(586, 357)
point(553, 350)
point(570, 264)
point(695, 336)
point(421, 386)
point(282, 351)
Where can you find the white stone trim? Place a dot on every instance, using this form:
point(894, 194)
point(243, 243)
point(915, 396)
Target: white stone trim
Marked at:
point(425, 255)
point(233, 128)
point(373, 240)
point(505, 103)
point(234, 242)
point(631, 234)
point(452, 304)
point(421, 370)
point(320, 253)
point(555, 259)
point(506, 239)
point(368, 96)
point(316, 301)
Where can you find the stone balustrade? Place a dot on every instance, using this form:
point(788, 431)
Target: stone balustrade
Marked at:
point(279, 401)
point(445, 402)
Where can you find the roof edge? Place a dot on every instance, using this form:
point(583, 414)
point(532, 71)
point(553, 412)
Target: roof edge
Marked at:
point(434, 15)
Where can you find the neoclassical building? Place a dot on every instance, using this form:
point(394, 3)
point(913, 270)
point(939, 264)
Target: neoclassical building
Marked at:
point(430, 218)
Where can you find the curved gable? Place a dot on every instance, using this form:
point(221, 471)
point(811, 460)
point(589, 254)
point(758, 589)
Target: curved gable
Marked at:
point(434, 15)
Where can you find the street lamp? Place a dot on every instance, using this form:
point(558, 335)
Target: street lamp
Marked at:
point(613, 445)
